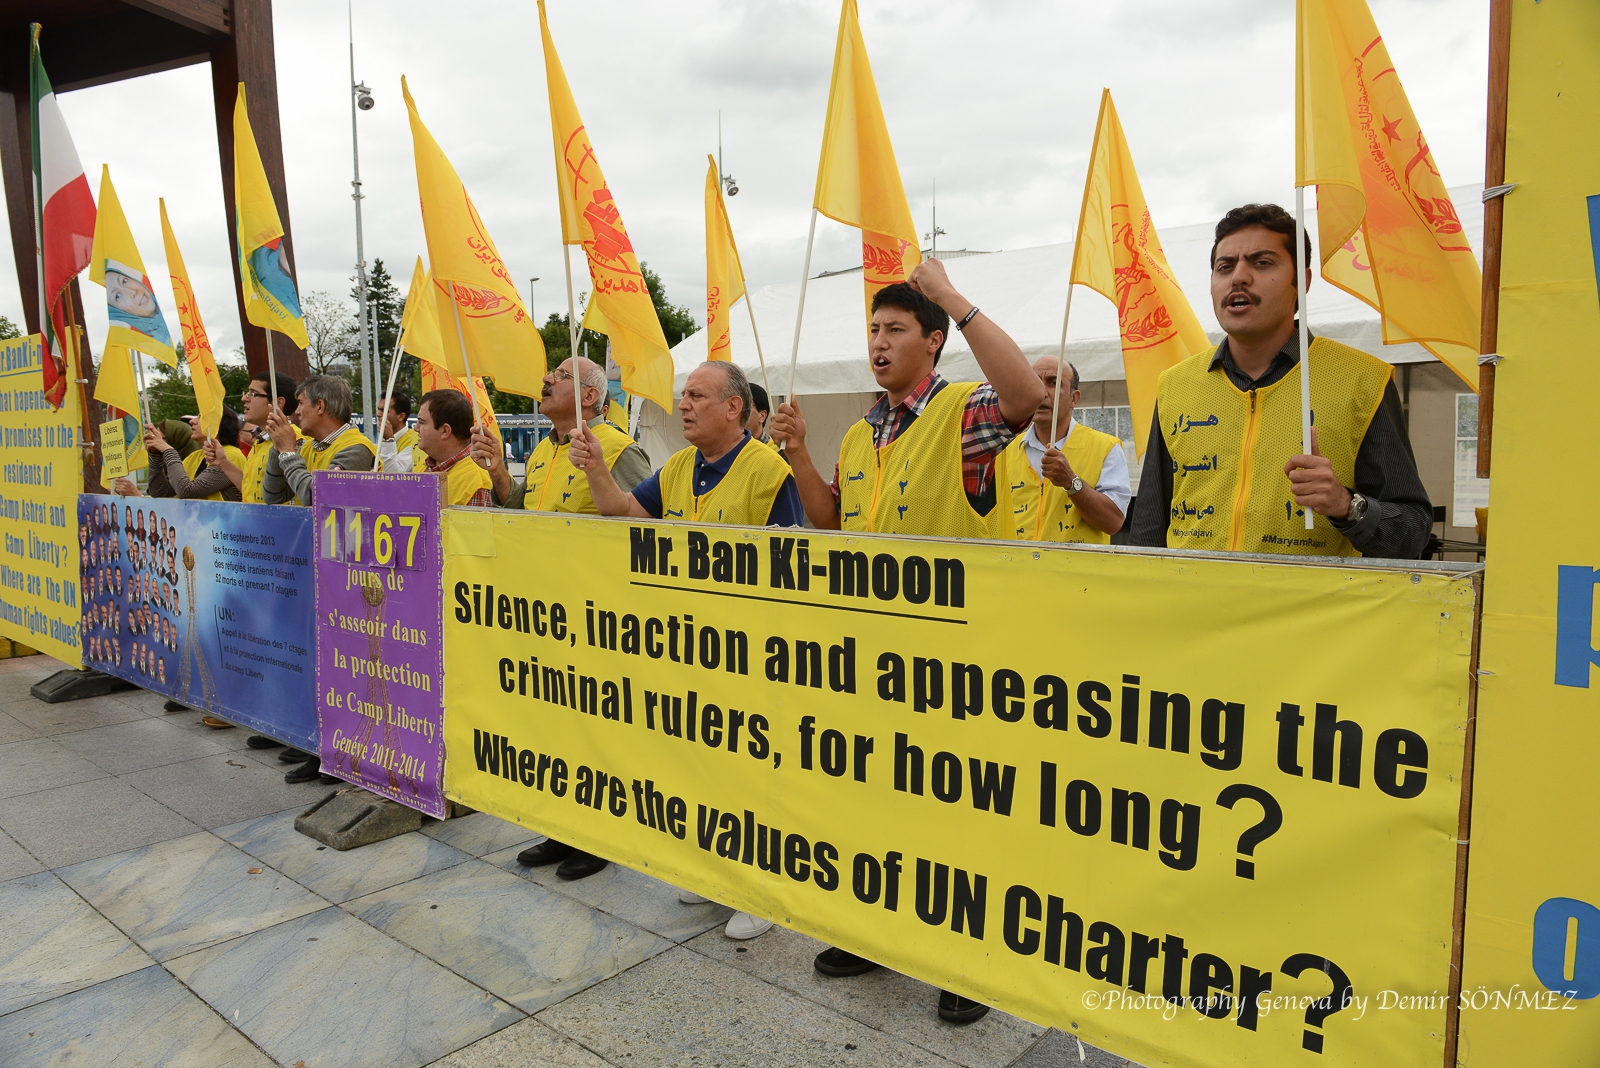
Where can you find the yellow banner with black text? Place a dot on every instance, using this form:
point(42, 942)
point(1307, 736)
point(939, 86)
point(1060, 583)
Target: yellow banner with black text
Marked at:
point(1199, 809)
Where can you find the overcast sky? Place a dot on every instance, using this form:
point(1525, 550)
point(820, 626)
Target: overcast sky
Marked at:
point(996, 99)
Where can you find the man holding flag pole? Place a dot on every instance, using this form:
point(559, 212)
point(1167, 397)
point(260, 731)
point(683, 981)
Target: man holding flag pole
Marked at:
point(923, 460)
point(1219, 470)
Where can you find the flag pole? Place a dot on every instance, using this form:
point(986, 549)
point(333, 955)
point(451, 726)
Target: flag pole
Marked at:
point(1061, 364)
point(144, 397)
point(1304, 314)
point(764, 383)
point(394, 368)
point(572, 335)
point(272, 373)
point(800, 312)
point(461, 338)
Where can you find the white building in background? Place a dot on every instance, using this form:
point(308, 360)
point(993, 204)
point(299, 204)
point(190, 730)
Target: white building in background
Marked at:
point(1024, 290)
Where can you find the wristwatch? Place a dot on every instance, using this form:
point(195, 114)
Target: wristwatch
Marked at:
point(1358, 508)
point(1075, 485)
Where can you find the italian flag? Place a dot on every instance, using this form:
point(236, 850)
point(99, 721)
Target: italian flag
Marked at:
point(64, 228)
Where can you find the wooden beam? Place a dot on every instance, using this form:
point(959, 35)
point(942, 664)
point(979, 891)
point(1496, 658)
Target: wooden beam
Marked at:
point(1494, 173)
point(123, 43)
point(203, 16)
point(16, 163)
point(248, 57)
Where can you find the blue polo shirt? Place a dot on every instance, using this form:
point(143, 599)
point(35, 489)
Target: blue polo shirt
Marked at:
point(786, 508)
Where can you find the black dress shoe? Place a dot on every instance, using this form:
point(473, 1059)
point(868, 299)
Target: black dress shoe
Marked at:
point(294, 756)
point(174, 706)
point(261, 741)
point(580, 865)
point(548, 851)
point(328, 780)
point(953, 1008)
point(838, 963)
point(307, 772)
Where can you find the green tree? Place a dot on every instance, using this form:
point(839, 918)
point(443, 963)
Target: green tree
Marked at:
point(387, 305)
point(677, 321)
point(8, 329)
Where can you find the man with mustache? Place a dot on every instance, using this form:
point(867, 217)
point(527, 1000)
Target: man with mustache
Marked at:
point(1224, 468)
point(553, 484)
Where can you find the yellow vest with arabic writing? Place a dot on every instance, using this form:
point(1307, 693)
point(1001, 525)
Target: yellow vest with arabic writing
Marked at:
point(463, 480)
point(322, 461)
point(912, 485)
point(192, 462)
point(555, 485)
point(1229, 447)
point(255, 469)
point(404, 440)
point(1038, 510)
point(744, 496)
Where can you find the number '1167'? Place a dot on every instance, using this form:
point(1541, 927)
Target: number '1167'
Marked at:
point(379, 539)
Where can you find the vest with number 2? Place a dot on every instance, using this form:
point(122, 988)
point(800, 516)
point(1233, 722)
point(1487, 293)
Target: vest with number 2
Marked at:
point(1035, 509)
point(744, 496)
point(555, 485)
point(912, 485)
point(1229, 446)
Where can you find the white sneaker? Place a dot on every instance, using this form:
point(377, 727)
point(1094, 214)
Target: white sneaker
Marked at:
point(689, 897)
point(744, 926)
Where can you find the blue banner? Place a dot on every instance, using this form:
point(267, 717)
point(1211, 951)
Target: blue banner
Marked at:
point(207, 602)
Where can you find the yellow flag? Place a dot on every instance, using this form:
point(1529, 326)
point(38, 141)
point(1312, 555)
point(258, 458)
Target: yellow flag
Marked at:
point(419, 335)
point(133, 314)
point(1118, 255)
point(724, 274)
point(270, 298)
point(209, 392)
point(483, 309)
point(117, 388)
point(1389, 233)
point(589, 217)
point(858, 180)
point(419, 321)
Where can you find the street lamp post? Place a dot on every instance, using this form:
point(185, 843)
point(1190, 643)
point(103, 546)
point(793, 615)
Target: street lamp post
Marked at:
point(361, 98)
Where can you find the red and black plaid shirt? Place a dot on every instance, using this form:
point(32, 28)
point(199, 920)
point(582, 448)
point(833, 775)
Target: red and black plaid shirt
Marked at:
point(984, 433)
point(483, 498)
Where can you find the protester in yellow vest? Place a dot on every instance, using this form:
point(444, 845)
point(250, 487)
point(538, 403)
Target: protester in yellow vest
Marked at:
point(552, 483)
point(184, 478)
point(1223, 468)
point(760, 415)
point(329, 442)
point(718, 478)
point(1075, 490)
point(922, 460)
point(398, 448)
point(444, 421)
point(257, 403)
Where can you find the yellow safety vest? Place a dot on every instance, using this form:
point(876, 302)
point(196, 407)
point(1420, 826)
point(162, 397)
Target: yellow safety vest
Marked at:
point(912, 485)
point(1228, 448)
point(192, 462)
point(464, 479)
point(1036, 509)
point(744, 496)
point(555, 485)
point(255, 469)
point(322, 461)
point(419, 459)
point(773, 445)
point(405, 439)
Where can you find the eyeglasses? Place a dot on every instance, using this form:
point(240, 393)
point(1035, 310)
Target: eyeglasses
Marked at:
point(562, 374)
point(256, 393)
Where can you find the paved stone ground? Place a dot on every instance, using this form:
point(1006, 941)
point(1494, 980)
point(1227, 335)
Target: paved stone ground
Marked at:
point(160, 910)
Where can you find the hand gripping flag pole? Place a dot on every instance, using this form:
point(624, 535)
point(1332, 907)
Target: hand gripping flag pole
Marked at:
point(1300, 306)
point(572, 334)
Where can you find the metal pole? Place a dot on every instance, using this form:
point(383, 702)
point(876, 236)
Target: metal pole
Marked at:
point(572, 334)
point(272, 373)
point(472, 391)
point(800, 312)
point(394, 368)
point(1305, 355)
point(531, 314)
point(368, 358)
point(764, 383)
point(1061, 369)
point(144, 398)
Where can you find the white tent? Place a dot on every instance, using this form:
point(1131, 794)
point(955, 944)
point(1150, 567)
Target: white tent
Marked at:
point(1024, 291)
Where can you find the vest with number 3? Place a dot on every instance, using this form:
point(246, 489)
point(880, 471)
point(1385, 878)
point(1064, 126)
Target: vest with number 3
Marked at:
point(555, 485)
point(912, 485)
point(1039, 510)
point(1229, 446)
point(744, 496)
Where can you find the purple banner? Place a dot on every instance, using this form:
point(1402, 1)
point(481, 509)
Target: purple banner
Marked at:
point(380, 664)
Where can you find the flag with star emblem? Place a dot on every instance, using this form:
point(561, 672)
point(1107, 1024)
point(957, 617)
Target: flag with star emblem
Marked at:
point(1388, 231)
